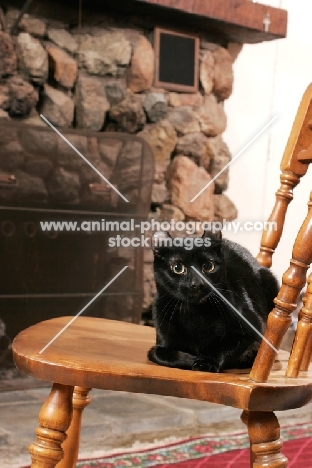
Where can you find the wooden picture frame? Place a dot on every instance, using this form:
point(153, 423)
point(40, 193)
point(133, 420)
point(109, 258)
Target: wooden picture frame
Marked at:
point(176, 60)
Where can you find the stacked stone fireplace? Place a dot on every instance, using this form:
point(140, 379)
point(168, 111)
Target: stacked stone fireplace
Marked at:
point(99, 75)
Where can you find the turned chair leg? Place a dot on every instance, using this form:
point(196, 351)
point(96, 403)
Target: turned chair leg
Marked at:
point(265, 443)
point(54, 419)
point(81, 399)
point(244, 418)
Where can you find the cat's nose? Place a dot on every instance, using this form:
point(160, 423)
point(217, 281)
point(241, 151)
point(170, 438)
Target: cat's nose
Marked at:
point(196, 284)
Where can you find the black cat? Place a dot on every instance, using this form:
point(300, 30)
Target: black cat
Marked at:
point(196, 327)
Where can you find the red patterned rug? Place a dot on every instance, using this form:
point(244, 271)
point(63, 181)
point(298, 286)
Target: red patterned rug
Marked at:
point(226, 451)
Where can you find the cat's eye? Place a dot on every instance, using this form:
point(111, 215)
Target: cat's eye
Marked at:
point(208, 267)
point(178, 268)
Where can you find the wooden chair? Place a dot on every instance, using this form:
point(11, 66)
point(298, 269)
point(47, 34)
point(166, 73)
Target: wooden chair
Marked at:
point(104, 354)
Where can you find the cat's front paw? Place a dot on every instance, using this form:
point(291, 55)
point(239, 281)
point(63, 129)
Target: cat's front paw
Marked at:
point(206, 364)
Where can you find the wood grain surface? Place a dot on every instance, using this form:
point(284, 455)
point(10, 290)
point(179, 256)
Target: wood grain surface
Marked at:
point(106, 354)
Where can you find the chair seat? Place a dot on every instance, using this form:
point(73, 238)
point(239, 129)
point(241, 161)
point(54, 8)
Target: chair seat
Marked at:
point(97, 353)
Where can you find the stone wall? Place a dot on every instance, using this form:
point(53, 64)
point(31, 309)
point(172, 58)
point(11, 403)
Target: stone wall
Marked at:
point(100, 78)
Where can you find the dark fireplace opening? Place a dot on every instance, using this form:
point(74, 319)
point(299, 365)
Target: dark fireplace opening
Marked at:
point(65, 233)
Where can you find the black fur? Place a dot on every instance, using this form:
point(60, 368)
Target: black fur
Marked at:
point(195, 327)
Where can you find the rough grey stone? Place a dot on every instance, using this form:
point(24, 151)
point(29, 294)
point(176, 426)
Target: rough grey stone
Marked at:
point(169, 212)
point(223, 73)
point(33, 58)
point(33, 26)
point(35, 119)
point(224, 208)
point(195, 146)
point(115, 92)
point(8, 133)
point(11, 156)
point(206, 71)
point(38, 142)
point(220, 157)
point(128, 114)
point(216, 165)
point(159, 193)
point(211, 116)
point(30, 188)
point(141, 71)
point(67, 156)
point(57, 107)
point(4, 115)
point(92, 148)
point(63, 39)
point(155, 106)
point(63, 186)
point(4, 97)
point(207, 45)
point(184, 120)
point(91, 103)
point(8, 59)
point(106, 53)
point(88, 175)
point(127, 173)
point(9, 18)
point(184, 180)
point(23, 97)
point(162, 139)
point(109, 150)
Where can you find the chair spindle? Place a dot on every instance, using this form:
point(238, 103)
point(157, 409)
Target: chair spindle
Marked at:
point(286, 301)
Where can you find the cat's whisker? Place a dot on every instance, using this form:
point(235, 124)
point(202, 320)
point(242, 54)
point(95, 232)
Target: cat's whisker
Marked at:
point(173, 312)
point(219, 308)
point(167, 306)
point(166, 309)
point(163, 295)
point(227, 290)
point(234, 315)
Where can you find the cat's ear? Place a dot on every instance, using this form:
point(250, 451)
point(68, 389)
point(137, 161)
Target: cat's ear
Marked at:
point(215, 234)
point(218, 234)
point(160, 239)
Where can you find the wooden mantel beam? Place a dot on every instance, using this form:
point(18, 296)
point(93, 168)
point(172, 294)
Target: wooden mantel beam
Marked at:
point(239, 20)
point(229, 20)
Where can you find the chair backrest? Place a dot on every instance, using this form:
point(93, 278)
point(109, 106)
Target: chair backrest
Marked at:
point(296, 158)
